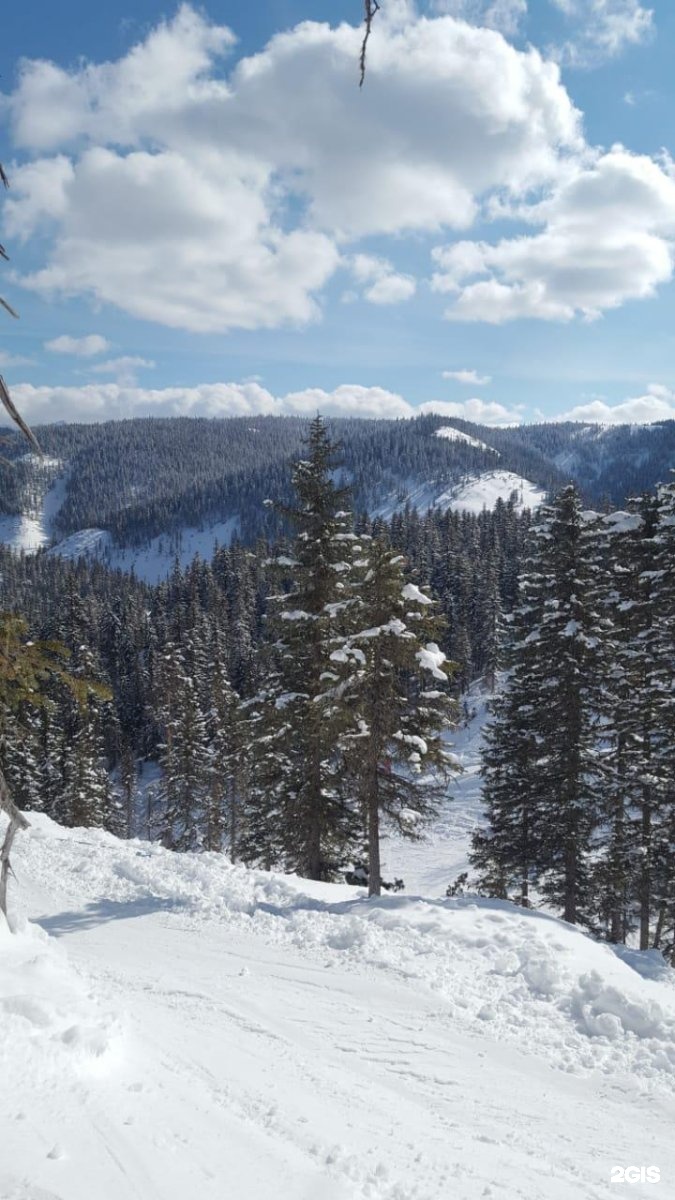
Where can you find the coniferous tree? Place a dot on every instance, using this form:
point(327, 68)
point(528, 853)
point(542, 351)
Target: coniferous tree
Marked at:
point(318, 815)
point(395, 745)
point(542, 753)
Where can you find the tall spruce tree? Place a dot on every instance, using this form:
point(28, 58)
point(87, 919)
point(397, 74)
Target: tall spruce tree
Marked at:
point(394, 750)
point(542, 754)
point(307, 612)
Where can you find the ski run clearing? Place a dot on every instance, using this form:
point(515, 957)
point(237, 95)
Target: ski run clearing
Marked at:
point(175, 1025)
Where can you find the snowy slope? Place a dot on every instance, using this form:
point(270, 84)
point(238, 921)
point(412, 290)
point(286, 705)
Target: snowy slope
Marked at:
point(457, 435)
point(154, 561)
point(191, 1028)
point(429, 865)
point(473, 495)
point(32, 530)
point(484, 491)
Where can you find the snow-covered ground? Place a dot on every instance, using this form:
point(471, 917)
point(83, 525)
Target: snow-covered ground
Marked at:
point(457, 435)
point(429, 865)
point(30, 531)
point(189, 1027)
point(485, 490)
point(154, 561)
point(473, 495)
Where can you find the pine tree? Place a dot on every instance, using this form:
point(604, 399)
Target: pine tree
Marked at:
point(395, 742)
point(542, 754)
point(507, 853)
point(623, 592)
point(318, 816)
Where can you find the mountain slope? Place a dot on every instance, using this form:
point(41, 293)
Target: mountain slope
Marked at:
point(139, 493)
point(220, 1031)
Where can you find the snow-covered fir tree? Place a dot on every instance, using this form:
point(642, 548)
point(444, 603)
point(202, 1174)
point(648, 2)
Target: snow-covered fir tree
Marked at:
point(301, 712)
point(542, 751)
point(396, 692)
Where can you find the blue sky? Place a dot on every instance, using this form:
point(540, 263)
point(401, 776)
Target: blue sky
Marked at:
point(207, 216)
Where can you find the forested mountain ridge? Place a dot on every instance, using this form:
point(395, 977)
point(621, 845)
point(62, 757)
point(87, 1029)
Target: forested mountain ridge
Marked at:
point(142, 478)
point(138, 494)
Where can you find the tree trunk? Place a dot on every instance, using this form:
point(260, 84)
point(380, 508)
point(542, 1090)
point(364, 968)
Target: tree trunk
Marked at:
point(570, 913)
point(315, 823)
point(17, 821)
point(374, 869)
point(645, 874)
point(234, 832)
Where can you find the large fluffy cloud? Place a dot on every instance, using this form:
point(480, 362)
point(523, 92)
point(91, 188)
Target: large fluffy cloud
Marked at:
point(207, 194)
point(657, 404)
point(607, 237)
point(111, 401)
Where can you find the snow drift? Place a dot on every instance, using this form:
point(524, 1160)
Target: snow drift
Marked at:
point(256, 1031)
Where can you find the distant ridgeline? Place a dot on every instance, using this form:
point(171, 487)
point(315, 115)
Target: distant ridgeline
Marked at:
point(138, 479)
point(141, 478)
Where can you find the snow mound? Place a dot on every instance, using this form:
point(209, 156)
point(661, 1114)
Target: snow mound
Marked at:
point(486, 489)
point(51, 1024)
point(456, 435)
point(86, 543)
point(528, 978)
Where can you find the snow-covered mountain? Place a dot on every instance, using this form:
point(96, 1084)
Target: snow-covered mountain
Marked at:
point(175, 1025)
point(139, 494)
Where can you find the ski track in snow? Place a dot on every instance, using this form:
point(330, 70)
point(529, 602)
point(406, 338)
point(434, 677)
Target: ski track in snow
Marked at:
point(193, 1028)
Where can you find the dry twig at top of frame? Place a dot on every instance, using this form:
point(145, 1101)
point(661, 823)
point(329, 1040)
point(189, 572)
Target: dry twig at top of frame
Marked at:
point(371, 7)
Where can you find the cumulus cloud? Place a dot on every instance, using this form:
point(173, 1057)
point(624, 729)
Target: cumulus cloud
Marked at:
point(481, 411)
point(209, 197)
point(107, 401)
point(206, 194)
point(602, 29)
point(657, 404)
point(607, 237)
point(467, 376)
point(83, 347)
point(384, 285)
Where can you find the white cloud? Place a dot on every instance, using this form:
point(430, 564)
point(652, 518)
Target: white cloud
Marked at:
point(208, 201)
point(125, 369)
point(481, 411)
point(211, 196)
point(467, 376)
point(127, 362)
point(504, 15)
point(603, 29)
point(83, 347)
point(115, 400)
point(13, 360)
point(607, 238)
point(185, 240)
point(385, 285)
point(657, 404)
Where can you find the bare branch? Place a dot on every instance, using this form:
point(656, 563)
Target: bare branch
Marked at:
point(9, 308)
point(7, 402)
point(371, 7)
point(3, 177)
